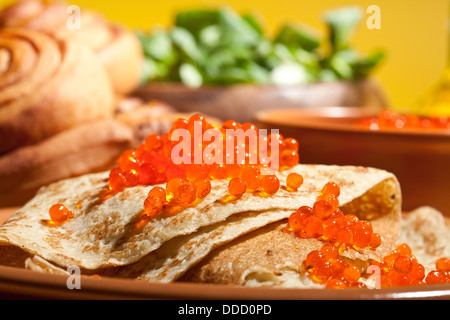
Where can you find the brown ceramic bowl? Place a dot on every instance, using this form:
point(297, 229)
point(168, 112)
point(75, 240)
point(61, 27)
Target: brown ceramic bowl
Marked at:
point(420, 159)
point(241, 102)
point(17, 283)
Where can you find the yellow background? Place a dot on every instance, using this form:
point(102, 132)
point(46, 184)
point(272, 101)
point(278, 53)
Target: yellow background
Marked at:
point(412, 32)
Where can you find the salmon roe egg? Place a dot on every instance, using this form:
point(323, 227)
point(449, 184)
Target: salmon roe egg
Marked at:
point(436, 277)
point(331, 188)
point(158, 192)
point(152, 206)
point(322, 209)
point(352, 273)
point(294, 181)
point(185, 193)
point(326, 222)
point(375, 241)
point(117, 180)
point(442, 273)
point(127, 161)
point(402, 264)
point(230, 124)
point(289, 158)
point(330, 198)
point(237, 187)
point(400, 268)
point(324, 266)
point(153, 142)
point(269, 184)
point(443, 264)
point(173, 184)
point(59, 213)
point(203, 188)
point(290, 144)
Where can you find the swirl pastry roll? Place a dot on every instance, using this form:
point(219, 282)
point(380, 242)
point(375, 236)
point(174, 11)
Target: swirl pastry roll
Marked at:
point(117, 48)
point(47, 86)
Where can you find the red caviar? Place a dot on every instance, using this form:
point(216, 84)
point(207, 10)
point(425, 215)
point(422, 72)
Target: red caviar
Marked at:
point(151, 163)
point(237, 187)
point(269, 184)
point(443, 264)
point(59, 213)
point(158, 192)
point(392, 120)
point(442, 273)
point(290, 144)
point(152, 206)
point(325, 266)
point(294, 181)
point(326, 222)
point(400, 268)
point(203, 187)
point(185, 194)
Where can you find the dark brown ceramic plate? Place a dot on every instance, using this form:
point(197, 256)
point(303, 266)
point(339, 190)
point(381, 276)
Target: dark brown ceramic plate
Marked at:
point(329, 135)
point(18, 283)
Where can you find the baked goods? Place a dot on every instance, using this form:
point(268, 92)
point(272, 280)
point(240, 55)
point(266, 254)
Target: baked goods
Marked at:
point(117, 48)
point(89, 147)
point(47, 86)
point(59, 69)
point(147, 118)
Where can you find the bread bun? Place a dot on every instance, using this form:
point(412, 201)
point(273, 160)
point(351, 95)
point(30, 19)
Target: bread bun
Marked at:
point(47, 86)
point(118, 49)
point(89, 147)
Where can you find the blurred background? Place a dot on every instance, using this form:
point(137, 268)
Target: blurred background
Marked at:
point(413, 33)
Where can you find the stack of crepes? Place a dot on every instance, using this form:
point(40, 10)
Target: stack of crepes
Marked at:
point(215, 241)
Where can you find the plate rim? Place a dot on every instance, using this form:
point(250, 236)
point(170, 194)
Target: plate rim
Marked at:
point(24, 283)
point(266, 117)
point(44, 285)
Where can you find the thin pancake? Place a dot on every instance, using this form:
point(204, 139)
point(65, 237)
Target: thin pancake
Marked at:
point(104, 234)
point(269, 253)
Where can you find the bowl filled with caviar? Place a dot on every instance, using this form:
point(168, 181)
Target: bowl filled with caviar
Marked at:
point(416, 149)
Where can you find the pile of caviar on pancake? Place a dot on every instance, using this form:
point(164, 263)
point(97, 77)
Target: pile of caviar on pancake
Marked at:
point(327, 223)
point(401, 268)
point(245, 166)
point(392, 120)
point(152, 163)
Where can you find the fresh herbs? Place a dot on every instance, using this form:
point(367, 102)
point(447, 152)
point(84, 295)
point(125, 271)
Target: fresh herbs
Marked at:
point(221, 47)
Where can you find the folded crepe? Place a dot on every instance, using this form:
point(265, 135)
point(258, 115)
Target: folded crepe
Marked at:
point(104, 237)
